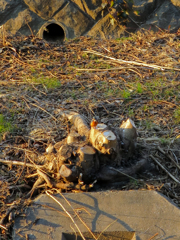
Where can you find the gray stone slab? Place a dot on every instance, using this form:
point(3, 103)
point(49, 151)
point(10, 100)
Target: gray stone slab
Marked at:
point(145, 212)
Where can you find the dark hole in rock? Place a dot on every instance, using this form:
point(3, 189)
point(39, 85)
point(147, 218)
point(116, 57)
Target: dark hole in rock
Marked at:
point(53, 32)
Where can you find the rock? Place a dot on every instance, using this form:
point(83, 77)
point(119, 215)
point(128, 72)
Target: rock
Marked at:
point(167, 16)
point(46, 9)
point(92, 8)
point(59, 19)
point(19, 23)
point(145, 212)
point(10, 9)
point(104, 29)
point(142, 9)
point(75, 21)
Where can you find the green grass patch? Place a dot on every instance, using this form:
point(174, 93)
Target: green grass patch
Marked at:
point(125, 94)
point(50, 83)
point(148, 124)
point(177, 115)
point(5, 126)
point(139, 88)
point(130, 112)
point(165, 141)
point(123, 39)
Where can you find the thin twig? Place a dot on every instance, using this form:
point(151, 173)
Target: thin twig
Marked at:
point(1, 226)
point(153, 236)
point(106, 228)
point(123, 173)
point(21, 170)
point(45, 177)
point(20, 186)
point(44, 111)
point(10, 162)
point(170, 175)
point(167, 155)
point(133, 62)
point(69, 215)
point(101, 69)
point(79, 216)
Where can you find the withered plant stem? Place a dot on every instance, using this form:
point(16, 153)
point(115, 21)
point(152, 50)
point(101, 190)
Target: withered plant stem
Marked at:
point(163, 168)
point(69, 215)
point(79, 216)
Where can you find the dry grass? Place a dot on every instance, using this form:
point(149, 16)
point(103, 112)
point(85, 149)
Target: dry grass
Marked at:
point(88, 76)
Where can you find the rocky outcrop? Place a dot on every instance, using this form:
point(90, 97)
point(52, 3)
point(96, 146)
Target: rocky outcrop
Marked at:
point(104, 29)
point(74, 20)
point(142, 9)
point(92, 8)
point(10, 9)
point(46, 9)
point(167, 16)
point(20, 23)
point(78, 17)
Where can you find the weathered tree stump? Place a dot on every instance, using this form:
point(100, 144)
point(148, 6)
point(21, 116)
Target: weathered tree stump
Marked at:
point(128, 134)
point(87, 161)
point(69, 173)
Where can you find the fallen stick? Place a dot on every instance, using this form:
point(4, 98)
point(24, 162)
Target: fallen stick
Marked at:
point(38, 182)
point(170, 175)
point(123, 173)
point(133, 62)
point(20, 186)
point(1, 226)
point(168, 156)
point(153, 236)
point(11, 162)
point(78, 120)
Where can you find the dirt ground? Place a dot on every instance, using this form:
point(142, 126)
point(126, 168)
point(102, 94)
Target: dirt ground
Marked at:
point(136, 77)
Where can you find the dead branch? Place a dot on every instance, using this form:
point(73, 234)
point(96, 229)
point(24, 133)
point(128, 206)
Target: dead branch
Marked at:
point(162, 68)
point(20, 186)
point(11, 162)
point(8, 211)
point(45, 177)
point(38, 182)
point(44, 110)
point(3, 227)
point(78, 121)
